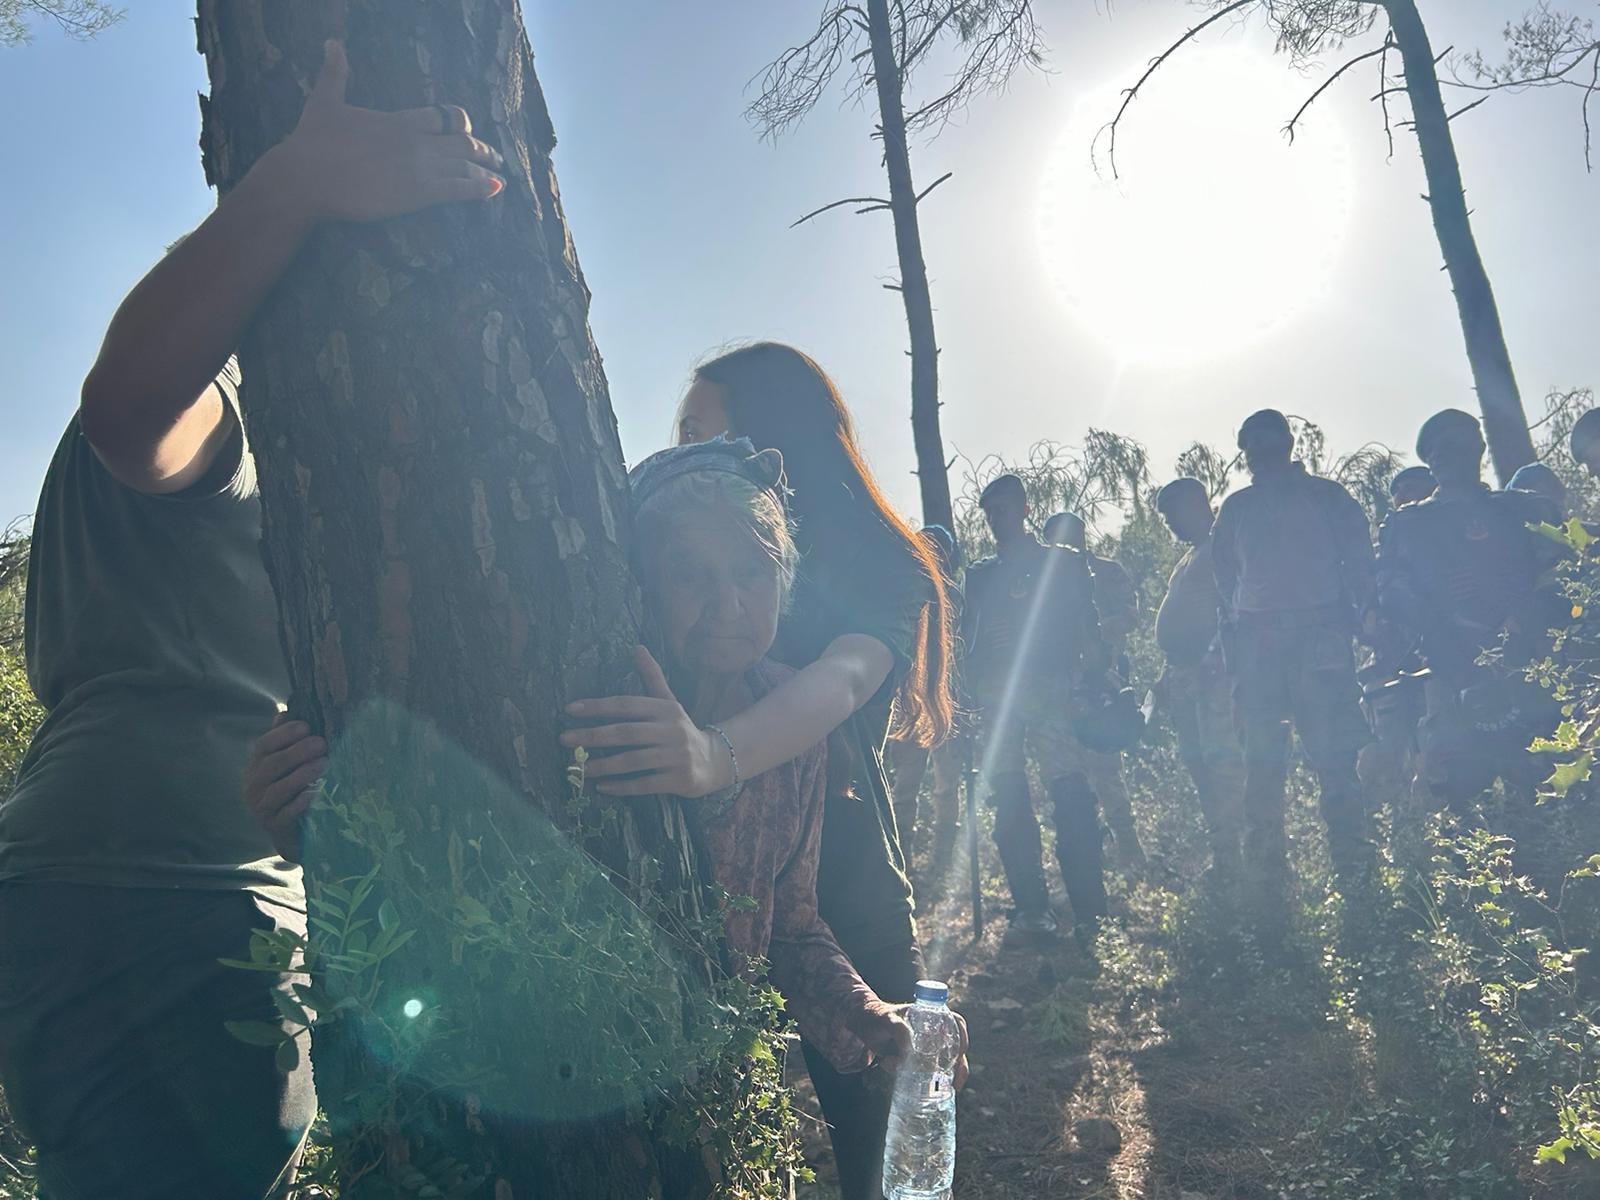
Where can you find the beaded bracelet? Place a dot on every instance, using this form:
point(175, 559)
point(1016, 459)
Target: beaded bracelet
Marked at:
point(731, 793)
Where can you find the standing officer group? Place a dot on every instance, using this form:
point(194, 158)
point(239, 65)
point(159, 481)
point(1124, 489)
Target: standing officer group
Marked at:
point(1260, 628)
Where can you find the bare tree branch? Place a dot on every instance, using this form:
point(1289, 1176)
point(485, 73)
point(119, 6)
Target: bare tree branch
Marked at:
point(1129, 95)
point(873, 203)
point(1330, 81)
point(1467, 108)
point(910, 57)
point(998, 37)
point(1449, 116)
point(1307, 28)
point(794, 82)
point(1383, 92)
point(922, 195)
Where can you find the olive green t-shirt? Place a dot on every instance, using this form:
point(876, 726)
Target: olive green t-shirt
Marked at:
point(152, 643)
point(877, 587)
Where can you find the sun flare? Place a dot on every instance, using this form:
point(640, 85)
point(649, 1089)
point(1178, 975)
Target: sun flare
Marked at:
point(1217, 232)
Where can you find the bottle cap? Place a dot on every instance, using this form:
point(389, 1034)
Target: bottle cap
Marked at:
point(933, 991)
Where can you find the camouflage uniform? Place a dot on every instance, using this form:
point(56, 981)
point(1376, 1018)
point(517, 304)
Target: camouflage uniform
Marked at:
point(1199, 700)
point(1458, 573)
point(1294, 568)
point(1028, 622)
point(1387, 765)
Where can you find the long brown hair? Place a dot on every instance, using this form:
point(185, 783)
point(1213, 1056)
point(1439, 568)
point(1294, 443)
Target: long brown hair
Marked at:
point(781, 399)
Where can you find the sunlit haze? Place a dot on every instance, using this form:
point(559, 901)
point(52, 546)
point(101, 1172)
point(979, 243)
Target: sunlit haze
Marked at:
point(1224, 271)
point(1214, 233)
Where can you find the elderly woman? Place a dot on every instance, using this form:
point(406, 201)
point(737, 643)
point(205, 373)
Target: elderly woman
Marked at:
point(717, 558)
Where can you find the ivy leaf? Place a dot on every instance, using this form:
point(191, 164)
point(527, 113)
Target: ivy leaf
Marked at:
point(291, 1008)
point(238, 964)
point(256, 1033)
point(1578, 537)
point(1564, 738)
point(1554, 532)
point(1555, 1151)
point(288, 1056)
point(1569, 775)
point(388, 917)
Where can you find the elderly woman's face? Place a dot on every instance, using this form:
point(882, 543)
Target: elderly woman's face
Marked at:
point(717, 594)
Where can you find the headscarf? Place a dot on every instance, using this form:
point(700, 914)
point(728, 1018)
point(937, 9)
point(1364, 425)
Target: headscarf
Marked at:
point(730, 456)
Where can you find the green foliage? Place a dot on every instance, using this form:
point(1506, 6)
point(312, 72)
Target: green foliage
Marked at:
point(1553, 431)
point(1104, 476)
point(81, 19)
point(20, 713)
point(1534, 1022)
point(524, 984)
point(1306, 28)
point(1392, 1150)
point(1545, 48)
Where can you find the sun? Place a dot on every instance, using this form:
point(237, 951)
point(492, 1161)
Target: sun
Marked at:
point(1217, 233)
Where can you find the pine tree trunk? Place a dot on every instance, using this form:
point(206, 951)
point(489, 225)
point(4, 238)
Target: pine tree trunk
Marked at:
point(446, 515)
point(1505, 424)
point(932, 472)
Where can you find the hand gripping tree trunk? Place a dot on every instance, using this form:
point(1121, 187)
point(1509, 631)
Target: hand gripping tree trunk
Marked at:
point(933, 475)
point(1505, 424)
point(445, 522)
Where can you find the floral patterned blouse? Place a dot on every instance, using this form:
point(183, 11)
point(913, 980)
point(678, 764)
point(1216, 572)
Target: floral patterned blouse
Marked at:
point(765, 846)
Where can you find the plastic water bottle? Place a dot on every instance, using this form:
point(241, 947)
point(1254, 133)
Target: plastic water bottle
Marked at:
point(919, 1157)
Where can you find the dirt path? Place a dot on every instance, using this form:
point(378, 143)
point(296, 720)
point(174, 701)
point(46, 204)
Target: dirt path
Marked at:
point(1052, 1092)
point(1185, 1067)
point(1180, 1070)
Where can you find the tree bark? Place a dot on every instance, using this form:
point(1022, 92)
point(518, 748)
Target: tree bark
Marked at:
point(1505, 424)
point(932, 471)
point(445, 524)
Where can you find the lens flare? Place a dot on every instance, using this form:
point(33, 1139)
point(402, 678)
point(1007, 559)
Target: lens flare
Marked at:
point(1216, 232)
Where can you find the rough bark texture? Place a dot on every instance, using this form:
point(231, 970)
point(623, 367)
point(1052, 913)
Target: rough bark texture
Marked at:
point(1505, 424)
point(445, 522)
point(932, 471)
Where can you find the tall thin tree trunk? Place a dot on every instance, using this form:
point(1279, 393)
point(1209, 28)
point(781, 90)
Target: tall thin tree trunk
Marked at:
point(446, 515)
point(1505, 423)
point(932, 472)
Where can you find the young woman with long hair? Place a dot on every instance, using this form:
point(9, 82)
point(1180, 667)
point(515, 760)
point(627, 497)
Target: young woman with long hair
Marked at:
point(868, 632)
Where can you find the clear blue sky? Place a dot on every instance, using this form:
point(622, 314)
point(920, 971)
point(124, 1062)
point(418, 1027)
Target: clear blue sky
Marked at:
point(1056, 312)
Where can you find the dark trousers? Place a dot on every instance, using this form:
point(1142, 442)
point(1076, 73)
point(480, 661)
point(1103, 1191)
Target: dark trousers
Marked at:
point(856, 1109)
point(1286, 672)
point(1078, 843)
point(113, 1055)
